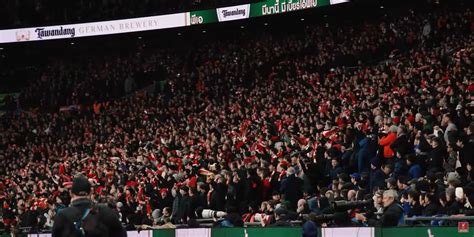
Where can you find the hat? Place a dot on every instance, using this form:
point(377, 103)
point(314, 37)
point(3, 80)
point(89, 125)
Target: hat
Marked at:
point(81, 186)
point(356, 176)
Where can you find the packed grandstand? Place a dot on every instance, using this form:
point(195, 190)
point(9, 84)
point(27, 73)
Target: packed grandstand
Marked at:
point(268, 128)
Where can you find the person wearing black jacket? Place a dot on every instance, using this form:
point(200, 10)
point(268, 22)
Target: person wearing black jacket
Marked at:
point(96, 220)
point(165, 199)
point(253, 187)
point(392, 212)
point(401, 144)
point(184, 204)
point(202, 193)
point(274, 176)
point(292, 188)
point(436, 156)
point(195, 202)
point(217, 201)
point(430, 207)
point(415, 208)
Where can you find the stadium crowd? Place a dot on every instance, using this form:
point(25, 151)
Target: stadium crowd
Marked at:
point(265, 129)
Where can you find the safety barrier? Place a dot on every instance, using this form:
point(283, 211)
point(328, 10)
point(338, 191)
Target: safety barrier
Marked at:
point(462, 230)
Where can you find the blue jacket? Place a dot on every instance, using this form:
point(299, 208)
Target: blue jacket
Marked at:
point(414, 172)
point(377, 179)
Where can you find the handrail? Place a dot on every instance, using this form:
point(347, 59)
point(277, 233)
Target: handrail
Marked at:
point(440, 218)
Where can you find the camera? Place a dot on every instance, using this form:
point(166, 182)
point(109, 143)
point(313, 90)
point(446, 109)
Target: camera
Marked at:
point(208, 213)
point(340, 206)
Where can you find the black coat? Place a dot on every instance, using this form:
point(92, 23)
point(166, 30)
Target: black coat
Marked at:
point(253, 189)
point(436, 158)
point(165, 202)
point(109, 224)
point(401, 145)
point(430, 210)
point(217, 202)
point(292, 188)
point(195, 202)
point(391, 216)
point(274, 181)
point(184, 207)
point(415, 210)
point(453, 208)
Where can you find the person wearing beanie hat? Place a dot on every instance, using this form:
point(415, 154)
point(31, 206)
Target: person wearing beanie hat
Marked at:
point(84, 213)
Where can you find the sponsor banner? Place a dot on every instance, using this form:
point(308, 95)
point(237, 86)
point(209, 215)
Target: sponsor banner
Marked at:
point(262, 8)
point(202, 17)
point(266, 7)
point(164, 233)
point(143, 233)
point(425, 232)
point(257, 232)
point(348, 232)
point(94, 28)
point(270, 7)
point(233, 13)
point(201, 232)
point(334, 2)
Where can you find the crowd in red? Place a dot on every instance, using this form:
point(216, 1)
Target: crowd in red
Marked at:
point(258, 125)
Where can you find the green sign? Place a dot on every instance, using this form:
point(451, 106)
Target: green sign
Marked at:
point(164, 233)
point(424, 232)
point(256, 232)
point(271, 7)
point(263, 8)
point(203, 17)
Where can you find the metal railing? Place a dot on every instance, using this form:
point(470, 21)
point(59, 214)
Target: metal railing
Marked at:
point(440, 218)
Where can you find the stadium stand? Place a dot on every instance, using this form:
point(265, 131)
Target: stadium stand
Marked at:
point(261, 128)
